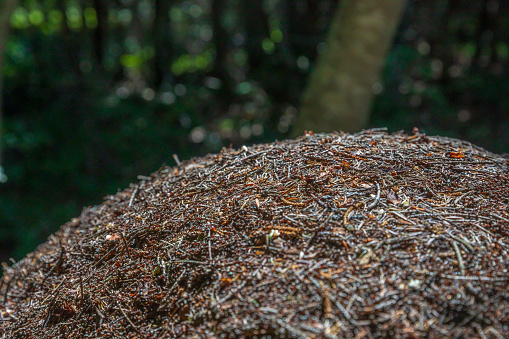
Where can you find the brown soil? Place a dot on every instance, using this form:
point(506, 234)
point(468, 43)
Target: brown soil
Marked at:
point(336, 235)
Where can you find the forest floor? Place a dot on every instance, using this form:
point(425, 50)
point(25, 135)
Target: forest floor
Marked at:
point(329, 235)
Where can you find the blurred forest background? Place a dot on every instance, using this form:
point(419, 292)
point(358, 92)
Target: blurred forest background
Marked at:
point(96, 92)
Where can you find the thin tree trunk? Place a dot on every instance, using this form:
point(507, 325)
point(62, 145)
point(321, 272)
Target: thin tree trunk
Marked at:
point(100, 31)
point(162, 43)
point(285, 48)
point(221, 43)
point(221, 67)
point(339, 92)
point(255, 23)
point(6, 9)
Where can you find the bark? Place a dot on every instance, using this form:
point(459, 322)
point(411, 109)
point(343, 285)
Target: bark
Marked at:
point(285, 49)
point(100, 31)
point(6, 9)
point(162, 43)
point(255, 23)
point(221, 66)
point(339, 92)
point(221, 43)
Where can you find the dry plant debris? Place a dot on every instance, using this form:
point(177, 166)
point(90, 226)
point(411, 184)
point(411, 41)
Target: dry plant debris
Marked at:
point(330, 235)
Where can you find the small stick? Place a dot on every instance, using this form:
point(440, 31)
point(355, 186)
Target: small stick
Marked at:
point(460, 259)
point(292, 203)
point(125, 244)
point(244, 204)
point(464, 242)
point(192, 262)
point(82, 293)
point(175, 284)
point(8, 286)
point(347, 213)
point(132, 196)
point(500, 217)
point(317, 231)
point(288, 327)
point(104, 257)
point(473, 277)
point(125, 315)
point(54, 290)
point(57, 264)
point(232, 292)
point(395, 240)
point(402, 217)
point(373, 204)
point(176, 158)
point(210, 249)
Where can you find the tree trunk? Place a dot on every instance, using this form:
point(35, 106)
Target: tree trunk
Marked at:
point(101, 10)
point(6, 9)
point(221, 42)
point(221, 68)
point(339, 92)
point(162, 43)
point(255, 23)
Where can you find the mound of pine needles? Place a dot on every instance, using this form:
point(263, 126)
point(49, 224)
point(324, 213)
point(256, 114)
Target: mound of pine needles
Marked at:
point(329, 235)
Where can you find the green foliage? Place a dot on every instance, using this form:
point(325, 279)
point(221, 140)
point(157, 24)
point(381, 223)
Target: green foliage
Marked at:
point(85, 113)
point(449, 82)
